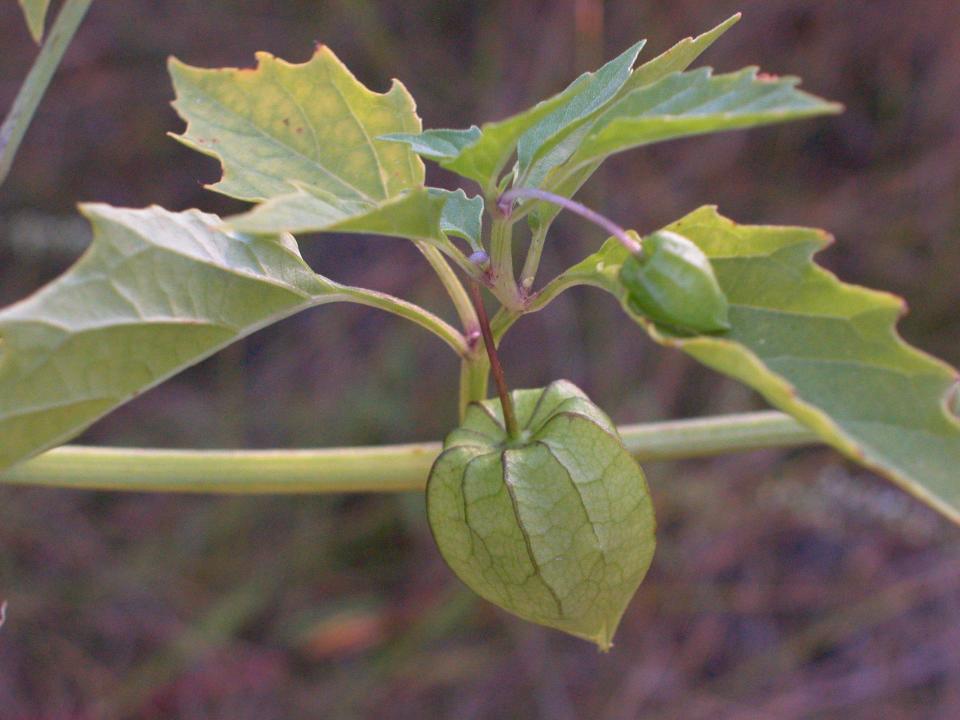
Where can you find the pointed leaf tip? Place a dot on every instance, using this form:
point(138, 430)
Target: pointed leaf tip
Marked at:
point(35, 13)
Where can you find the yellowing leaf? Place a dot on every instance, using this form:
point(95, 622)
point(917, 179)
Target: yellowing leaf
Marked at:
point(313, 123)
point(35, 12)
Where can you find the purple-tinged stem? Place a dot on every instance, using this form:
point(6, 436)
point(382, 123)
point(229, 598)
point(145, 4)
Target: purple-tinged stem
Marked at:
point(505, 205)
point(509, 416)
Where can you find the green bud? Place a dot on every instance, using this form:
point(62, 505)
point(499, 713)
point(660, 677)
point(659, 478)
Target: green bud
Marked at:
point(672, 283)
point(557, 526)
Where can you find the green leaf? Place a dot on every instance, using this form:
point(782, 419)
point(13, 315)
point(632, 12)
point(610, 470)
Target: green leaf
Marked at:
point(35, 12)
point(557, 528)
point(549, 132)
point(313, 123)
point(155, 293)
point(438, 145)
point(428, 214)
point(543, 143)
point(677, 59)
point(826, 352)
point(462, 215)
point(694, 103)
point(480, 153)
point(415, 215)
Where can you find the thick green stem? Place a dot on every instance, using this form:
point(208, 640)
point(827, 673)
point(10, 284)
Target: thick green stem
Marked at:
point(474, 376)
point(532, 263)
point(35, 85)
point(390, 468)
point(501, 261)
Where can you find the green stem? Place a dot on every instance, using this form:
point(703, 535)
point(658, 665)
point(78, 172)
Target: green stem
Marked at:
point(504, 319)
point(504, 284)
point(474, 376)
point(460, 260)
point(35, 84)
point(390, 468)
point(453, 286)
point(409, 311)
point(532, 263)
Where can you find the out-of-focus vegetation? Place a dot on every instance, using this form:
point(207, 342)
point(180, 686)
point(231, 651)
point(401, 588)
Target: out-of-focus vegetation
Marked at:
point(785, 585)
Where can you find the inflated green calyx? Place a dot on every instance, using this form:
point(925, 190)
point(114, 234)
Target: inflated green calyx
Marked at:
point(557, 526)
point(672, 283)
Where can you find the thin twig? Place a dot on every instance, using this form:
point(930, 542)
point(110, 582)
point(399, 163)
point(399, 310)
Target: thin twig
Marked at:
point(505, 205)
point(509, 417)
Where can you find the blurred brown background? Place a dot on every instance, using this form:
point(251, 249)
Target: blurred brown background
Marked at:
point(786, 584)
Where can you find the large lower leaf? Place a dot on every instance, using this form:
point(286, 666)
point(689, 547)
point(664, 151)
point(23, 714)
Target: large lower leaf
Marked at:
point(826, 352)
point(156, 292)
point(282, 123)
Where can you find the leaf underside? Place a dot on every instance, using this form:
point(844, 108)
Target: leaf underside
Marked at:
point(462, 215)
point(560, 142)
point(416, 214)
point(155, 293)
point(543, 143)
point(824, 351)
